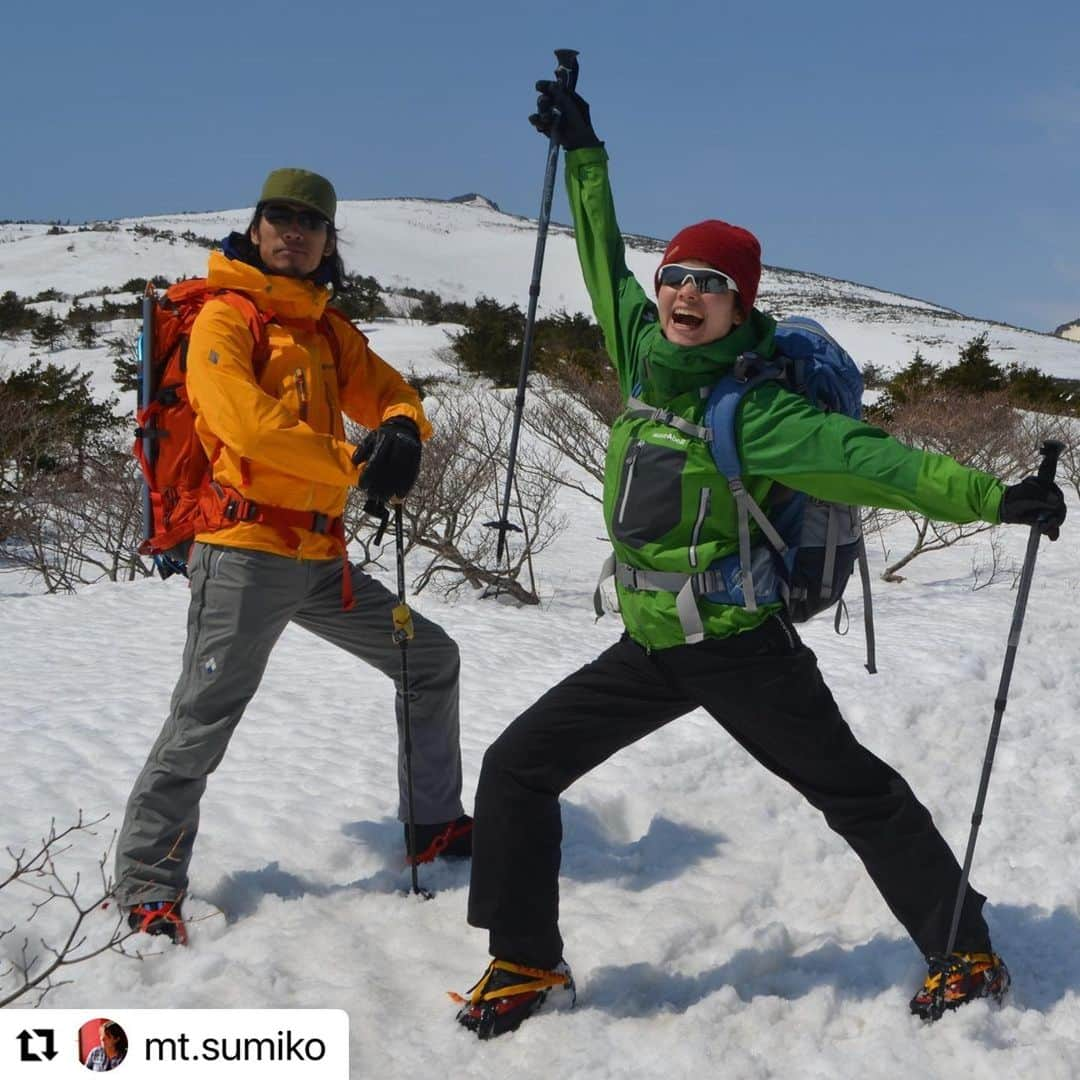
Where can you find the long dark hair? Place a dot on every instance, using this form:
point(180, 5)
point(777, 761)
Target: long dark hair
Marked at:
point(331, 271)
point(119, 1034)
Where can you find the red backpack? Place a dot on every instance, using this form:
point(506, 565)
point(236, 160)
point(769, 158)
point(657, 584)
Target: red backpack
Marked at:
point(180, 497)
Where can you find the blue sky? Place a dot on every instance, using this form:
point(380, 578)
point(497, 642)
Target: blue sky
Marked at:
point(929, 149)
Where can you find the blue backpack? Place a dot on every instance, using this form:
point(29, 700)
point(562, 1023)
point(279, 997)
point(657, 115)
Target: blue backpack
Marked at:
point(813, 546)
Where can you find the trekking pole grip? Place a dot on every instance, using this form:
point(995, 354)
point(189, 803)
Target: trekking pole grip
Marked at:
point(1051, 451)
point(566, 72)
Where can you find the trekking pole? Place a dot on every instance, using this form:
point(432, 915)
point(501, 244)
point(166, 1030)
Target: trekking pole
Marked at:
point(1050, 451)
point(566, 74)
point(403, 634)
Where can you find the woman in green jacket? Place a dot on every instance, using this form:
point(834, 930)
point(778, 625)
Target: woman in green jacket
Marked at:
point(670, 513)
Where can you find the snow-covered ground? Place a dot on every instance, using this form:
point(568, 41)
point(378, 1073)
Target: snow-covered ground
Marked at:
point(714, 924)
point(713, 921)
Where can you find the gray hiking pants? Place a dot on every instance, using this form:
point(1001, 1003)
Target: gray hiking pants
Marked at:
point(241, 601)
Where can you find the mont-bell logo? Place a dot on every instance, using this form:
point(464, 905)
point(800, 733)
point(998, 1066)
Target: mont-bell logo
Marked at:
point(671, 437)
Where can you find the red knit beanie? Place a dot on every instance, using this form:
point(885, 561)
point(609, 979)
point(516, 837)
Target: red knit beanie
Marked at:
point(724, 247)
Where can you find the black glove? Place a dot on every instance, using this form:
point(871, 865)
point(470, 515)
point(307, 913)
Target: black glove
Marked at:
point(392, 453)
point(574, 130)
point(1033, 502)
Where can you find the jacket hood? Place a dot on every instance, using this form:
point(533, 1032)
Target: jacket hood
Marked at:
point(238, 245)
point(676, 369)
point(294, 298)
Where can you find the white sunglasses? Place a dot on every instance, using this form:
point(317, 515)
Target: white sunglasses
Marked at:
point(705, 279)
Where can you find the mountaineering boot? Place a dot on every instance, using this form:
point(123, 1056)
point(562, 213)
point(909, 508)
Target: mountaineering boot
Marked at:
point(159, 917)
point(450, 839)
point(509, 993)
point(958, 978)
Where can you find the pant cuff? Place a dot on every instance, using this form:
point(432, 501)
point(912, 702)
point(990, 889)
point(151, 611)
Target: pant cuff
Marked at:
point(538, 951)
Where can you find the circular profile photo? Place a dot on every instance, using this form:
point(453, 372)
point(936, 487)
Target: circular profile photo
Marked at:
point(103, 1044)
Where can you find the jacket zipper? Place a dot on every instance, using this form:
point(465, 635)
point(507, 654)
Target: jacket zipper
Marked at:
point(631, 458)
point(337, 429)
point(703, 510)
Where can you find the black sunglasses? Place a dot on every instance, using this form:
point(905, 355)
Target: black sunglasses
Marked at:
point(284, 216)
point(705, 280)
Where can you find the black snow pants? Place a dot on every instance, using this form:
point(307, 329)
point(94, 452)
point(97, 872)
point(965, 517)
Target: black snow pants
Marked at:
point(764, 688)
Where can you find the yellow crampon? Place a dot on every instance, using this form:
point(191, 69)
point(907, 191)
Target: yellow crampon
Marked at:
point(963, 964)
point(958, 978)
point(541, 980)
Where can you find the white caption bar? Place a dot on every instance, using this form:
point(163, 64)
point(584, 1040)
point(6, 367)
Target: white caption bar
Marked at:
point(200, 1044)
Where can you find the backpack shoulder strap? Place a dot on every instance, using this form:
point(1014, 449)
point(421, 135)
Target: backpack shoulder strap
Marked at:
point(721, 411)
point(257, 321)
point(722, 407)
point(330, 317)
point(641, 410)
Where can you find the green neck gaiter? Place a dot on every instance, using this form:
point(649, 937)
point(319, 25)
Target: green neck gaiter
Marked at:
point(672, 370)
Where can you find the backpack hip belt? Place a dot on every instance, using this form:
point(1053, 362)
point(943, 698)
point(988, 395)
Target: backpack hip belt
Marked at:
point(223, 507)
point(722, 583)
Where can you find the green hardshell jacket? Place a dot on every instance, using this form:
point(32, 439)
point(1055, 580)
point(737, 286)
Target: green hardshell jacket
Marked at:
point(666, 507)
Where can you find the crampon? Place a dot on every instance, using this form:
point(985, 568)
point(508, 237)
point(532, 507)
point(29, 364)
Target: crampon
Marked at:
point(507, 994)
point(453, 839)
point(159, 917)
point(958, 978)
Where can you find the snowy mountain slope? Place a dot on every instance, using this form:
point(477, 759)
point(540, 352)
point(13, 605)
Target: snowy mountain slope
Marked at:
point(462, 250)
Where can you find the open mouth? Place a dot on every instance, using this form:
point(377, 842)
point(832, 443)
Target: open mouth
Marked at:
point(686, 320)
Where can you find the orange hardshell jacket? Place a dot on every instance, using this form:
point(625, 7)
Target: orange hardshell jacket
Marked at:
point(280, 440)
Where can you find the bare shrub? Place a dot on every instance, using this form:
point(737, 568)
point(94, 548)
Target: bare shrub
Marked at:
point(459, 489)
point(989, 567)
point(573, 412)
point(23, 429)
point(34, 968)
point(79, 526)
point(982, 431)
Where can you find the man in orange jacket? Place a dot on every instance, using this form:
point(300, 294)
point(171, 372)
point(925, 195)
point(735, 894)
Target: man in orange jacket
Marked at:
point(274, 434)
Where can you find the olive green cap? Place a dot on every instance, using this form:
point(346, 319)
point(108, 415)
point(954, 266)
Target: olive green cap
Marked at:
point(303, 187)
